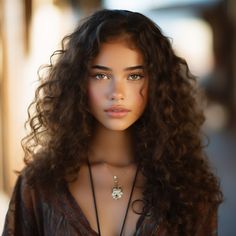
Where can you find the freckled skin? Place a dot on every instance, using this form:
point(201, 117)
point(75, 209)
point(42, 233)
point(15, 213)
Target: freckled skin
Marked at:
point(117, 84)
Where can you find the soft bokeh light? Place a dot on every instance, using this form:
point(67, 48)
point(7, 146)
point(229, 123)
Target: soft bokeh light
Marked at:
point(216, 117)
point(143, 5)
point(192, 40)
point(49, 26)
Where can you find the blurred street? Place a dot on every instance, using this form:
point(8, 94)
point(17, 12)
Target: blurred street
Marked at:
point(222, 153)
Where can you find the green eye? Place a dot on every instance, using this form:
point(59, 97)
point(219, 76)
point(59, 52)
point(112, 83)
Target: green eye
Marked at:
point(101, 76)
point(135, 77)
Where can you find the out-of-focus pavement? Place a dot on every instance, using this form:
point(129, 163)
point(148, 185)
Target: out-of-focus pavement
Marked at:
point(222, 154)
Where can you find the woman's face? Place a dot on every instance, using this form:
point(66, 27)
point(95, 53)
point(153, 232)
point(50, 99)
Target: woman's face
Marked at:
point(117, 86)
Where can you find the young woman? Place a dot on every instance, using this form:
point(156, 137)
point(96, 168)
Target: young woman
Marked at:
point(115, 144)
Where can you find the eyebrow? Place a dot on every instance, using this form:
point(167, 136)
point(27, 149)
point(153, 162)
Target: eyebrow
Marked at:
point(139, 67)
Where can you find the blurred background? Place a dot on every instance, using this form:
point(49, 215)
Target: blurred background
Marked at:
point(203, 32)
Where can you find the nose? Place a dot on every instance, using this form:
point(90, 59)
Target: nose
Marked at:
point(117, 90)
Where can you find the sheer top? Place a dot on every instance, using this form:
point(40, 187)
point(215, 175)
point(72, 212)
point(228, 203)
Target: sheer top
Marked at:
point(52, 211)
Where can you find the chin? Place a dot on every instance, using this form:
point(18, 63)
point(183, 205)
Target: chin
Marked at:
point(116, 127)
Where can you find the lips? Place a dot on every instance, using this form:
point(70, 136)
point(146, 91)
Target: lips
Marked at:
point(117, 112)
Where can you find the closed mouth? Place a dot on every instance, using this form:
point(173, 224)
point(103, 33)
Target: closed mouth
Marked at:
point(117, 112)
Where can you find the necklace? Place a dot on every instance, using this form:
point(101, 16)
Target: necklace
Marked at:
point(95, 204)
point(117, 190)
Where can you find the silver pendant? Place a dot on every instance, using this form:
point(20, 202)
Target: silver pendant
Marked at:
point(117, 191)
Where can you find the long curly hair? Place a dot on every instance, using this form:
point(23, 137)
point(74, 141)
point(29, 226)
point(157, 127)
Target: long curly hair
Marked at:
point(168, 135)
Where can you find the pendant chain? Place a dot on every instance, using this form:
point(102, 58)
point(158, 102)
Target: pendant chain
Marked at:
point(117, 190)
point(95, 203)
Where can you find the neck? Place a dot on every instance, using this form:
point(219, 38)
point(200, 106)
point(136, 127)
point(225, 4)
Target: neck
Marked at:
point(111, 147)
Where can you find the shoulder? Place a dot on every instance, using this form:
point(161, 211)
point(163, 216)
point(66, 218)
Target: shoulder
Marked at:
point(36, 198)
point(36, 206)
point(24, 191)
point(29, 188)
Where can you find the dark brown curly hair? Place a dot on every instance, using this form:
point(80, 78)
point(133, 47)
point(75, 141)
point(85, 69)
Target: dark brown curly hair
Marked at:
point(168, 135)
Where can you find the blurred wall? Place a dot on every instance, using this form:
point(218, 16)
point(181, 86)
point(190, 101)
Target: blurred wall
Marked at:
point(11, 94)
point(1, 77)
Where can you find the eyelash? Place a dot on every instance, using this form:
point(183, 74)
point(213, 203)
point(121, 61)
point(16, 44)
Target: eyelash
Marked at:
point(132, 77)
point(140, 76)
point(100, 76)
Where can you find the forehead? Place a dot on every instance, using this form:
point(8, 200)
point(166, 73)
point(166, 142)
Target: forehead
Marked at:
point(120, 53)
